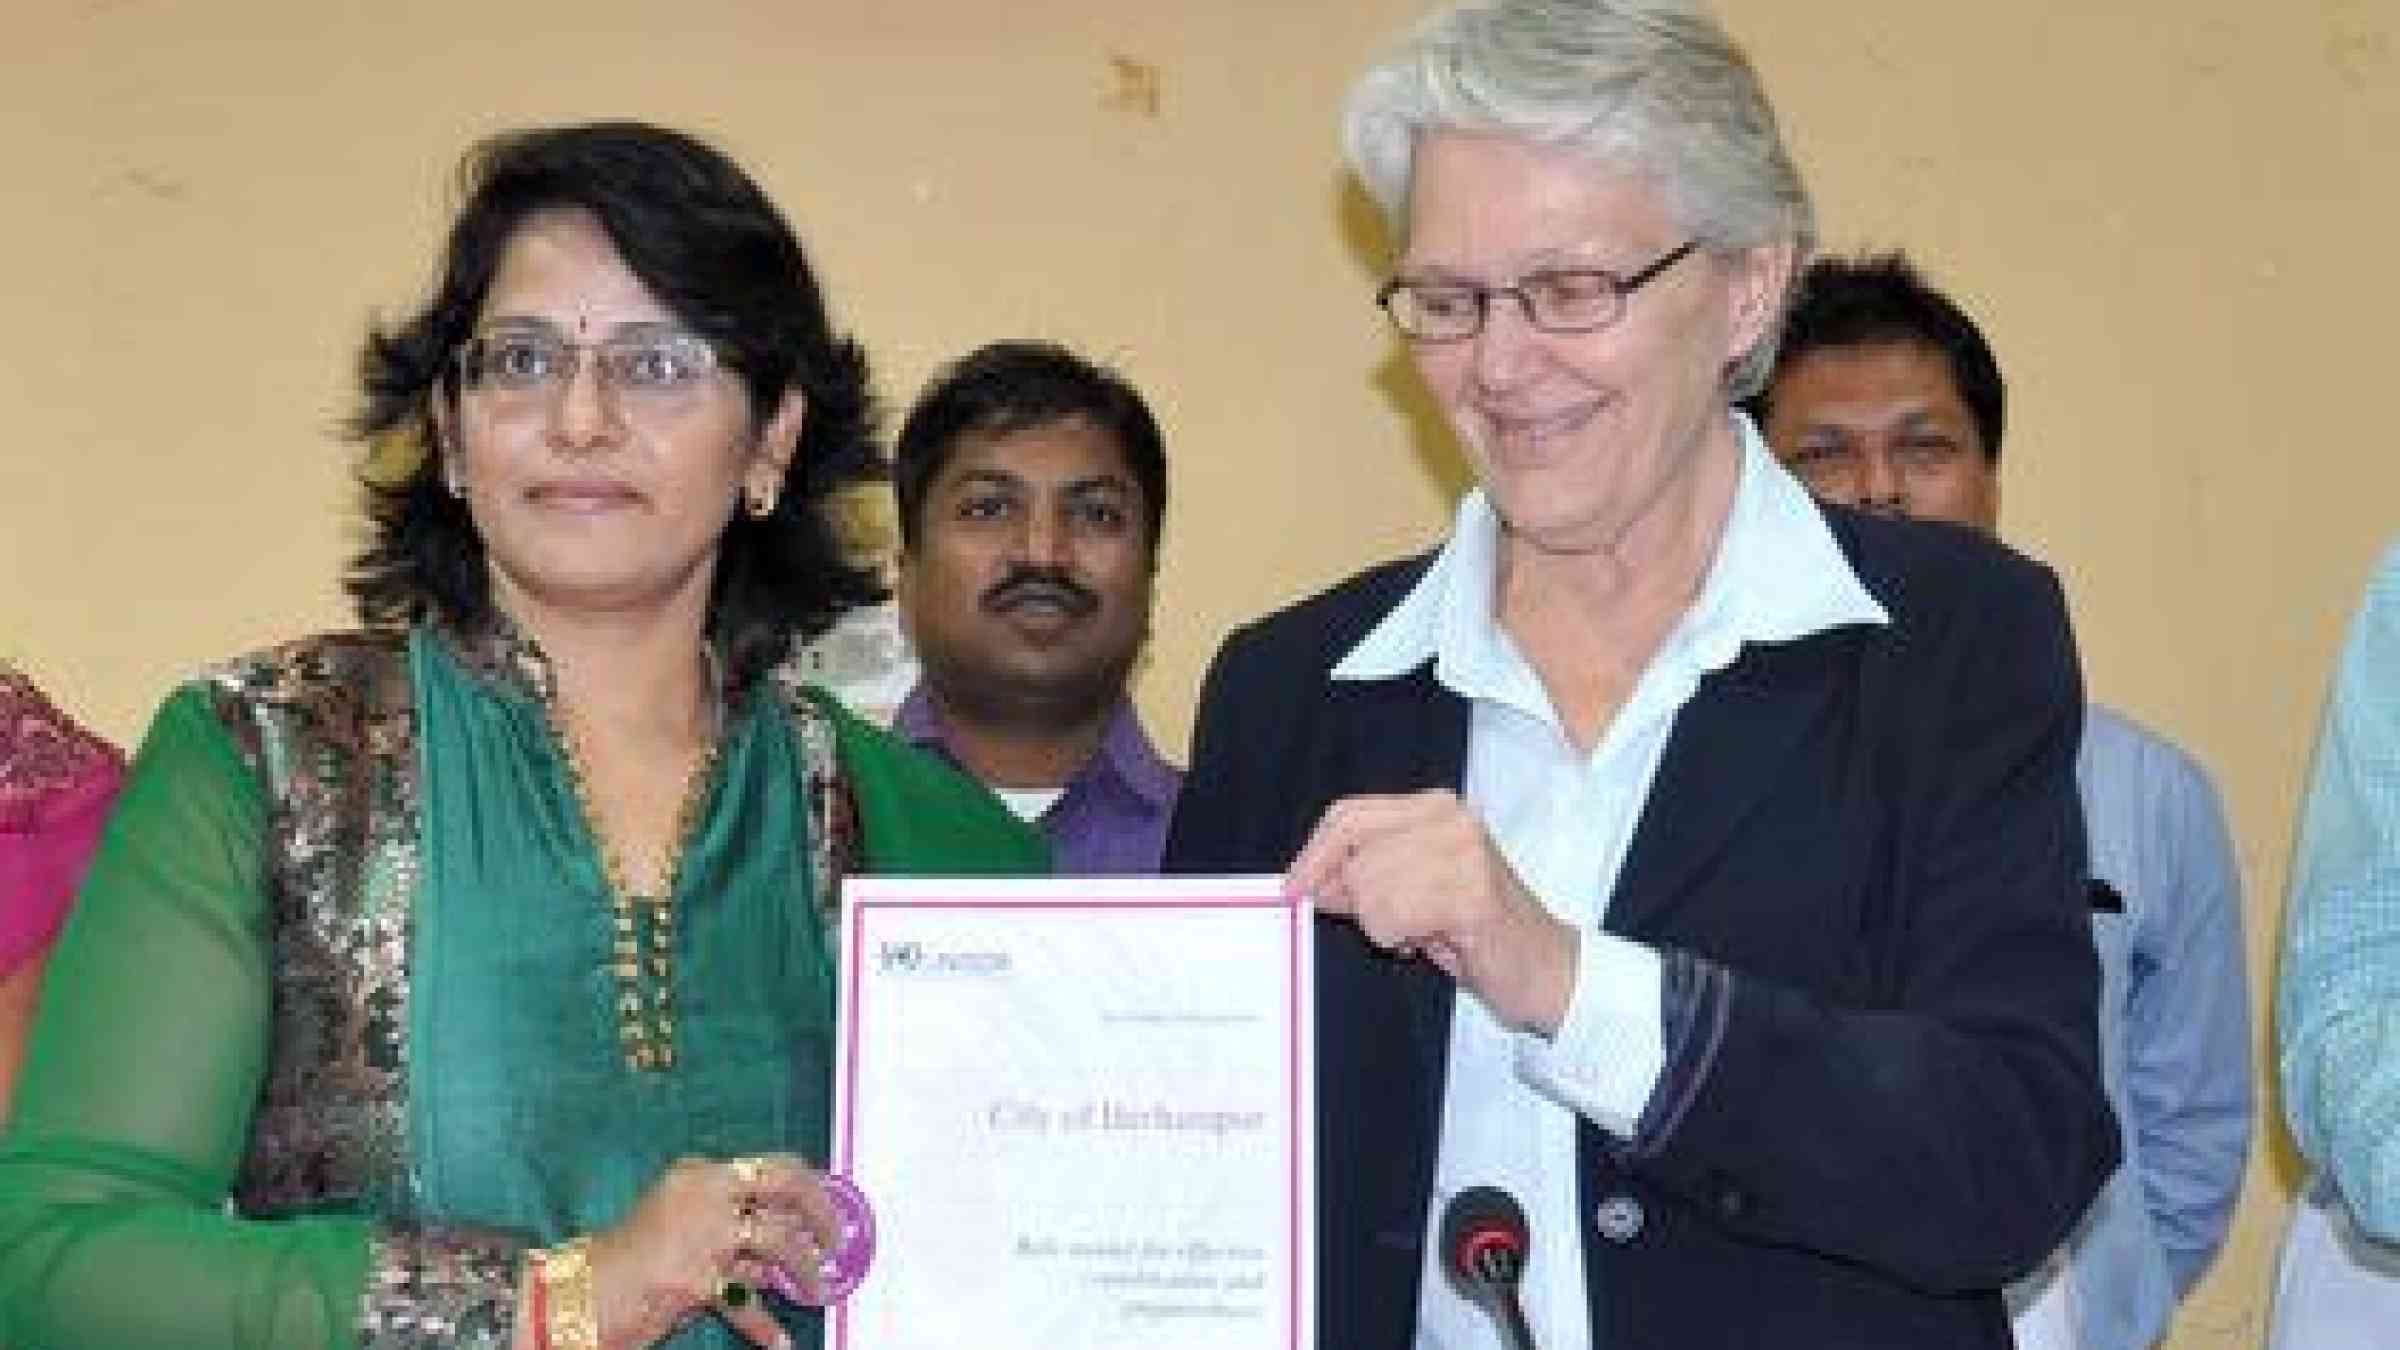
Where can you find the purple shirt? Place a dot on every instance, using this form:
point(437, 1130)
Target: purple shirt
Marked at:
point(1112, 818)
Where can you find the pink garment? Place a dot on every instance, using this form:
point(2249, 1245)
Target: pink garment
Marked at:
point(56, 783)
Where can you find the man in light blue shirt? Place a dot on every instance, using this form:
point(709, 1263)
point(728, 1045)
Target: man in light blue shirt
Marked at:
point(2338, 1002)
point(1887, 398)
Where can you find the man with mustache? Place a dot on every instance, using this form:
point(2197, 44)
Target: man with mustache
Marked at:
point(1031, 488)
point(1887, 398)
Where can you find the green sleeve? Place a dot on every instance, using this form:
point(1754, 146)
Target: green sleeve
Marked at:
point(921, 817)
point(145, 1067)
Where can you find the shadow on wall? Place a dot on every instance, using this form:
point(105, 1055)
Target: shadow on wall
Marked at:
point(1359, 222)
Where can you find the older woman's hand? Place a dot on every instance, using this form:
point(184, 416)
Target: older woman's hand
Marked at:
point(1420, 875)
point(706, 1230)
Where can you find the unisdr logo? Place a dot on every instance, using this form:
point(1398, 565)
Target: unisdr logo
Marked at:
point(913, 958)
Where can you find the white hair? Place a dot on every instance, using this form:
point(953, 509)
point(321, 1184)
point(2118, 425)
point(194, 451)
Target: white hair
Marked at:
point(1656, 87)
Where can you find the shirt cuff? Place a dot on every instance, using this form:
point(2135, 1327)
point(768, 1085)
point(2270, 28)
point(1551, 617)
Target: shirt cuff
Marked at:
point(1610, 1050)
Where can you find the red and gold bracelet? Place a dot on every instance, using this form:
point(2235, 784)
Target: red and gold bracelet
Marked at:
point(535, 1311)
point(566, 1316)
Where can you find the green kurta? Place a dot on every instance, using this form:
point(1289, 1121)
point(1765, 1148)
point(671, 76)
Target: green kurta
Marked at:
point(345, 959)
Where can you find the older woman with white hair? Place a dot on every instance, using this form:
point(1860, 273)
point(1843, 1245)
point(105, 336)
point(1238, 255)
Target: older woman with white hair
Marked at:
point(1746, 828)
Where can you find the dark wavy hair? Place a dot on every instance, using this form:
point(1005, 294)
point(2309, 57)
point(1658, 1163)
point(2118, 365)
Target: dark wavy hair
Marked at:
point(1882, 300)
point(1010, 386)
point(710, 246)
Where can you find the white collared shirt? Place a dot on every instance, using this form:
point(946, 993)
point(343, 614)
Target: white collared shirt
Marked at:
point(1564, 820)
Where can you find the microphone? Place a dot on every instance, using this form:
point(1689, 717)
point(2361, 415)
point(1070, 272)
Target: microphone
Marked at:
point(1485, 1244)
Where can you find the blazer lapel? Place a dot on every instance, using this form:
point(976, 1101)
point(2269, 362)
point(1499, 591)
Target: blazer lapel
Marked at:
point(1411, 737)
point(1732, 743)
point(1397, 735)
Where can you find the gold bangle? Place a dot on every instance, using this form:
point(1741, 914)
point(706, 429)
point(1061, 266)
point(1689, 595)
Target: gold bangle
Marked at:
point(571, 1320)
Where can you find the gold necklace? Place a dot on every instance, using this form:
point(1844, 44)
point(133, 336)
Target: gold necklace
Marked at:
point(645, 924)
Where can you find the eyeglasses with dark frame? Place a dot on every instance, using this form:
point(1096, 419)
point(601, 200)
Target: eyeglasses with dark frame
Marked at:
point(1554, 300)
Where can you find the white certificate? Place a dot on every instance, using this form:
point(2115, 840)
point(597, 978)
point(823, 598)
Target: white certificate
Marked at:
point(1082, 1111)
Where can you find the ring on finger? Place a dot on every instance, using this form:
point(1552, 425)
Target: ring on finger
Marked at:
point(733, 1294)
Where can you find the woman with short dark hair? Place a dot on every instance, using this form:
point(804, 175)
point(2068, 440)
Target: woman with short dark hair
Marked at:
point(467, 980)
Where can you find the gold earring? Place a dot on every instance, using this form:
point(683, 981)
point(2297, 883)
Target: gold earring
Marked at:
point(762, 503)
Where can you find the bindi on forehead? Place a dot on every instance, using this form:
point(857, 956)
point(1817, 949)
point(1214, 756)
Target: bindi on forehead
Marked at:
point(563, 268)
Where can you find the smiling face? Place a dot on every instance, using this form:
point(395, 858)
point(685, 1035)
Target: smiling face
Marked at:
point(1577, 436)
point(1027, 589)
point(598, 495)
point(1882, 427)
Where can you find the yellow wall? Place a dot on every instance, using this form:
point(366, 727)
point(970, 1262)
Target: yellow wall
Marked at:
point(2168, 214)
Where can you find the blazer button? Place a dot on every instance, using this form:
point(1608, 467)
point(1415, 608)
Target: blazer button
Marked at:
point(1619, 1219)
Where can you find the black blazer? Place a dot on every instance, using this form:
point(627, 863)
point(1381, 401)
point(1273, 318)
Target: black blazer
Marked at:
point(1871, 835)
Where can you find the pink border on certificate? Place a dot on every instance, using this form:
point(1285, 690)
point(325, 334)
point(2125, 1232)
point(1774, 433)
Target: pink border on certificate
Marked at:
point(1206, 893)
